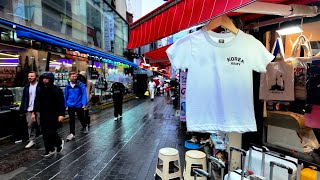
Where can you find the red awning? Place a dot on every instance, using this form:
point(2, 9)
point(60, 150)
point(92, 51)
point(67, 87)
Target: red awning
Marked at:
point(175, 16)
point(158, 55)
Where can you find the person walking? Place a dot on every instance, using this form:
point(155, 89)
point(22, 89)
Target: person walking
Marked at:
point(117, 90)
point(166, 89)
point(49, 102)
point(27, 106)
point(151, 88)
point(90, 88)
point(75, 101)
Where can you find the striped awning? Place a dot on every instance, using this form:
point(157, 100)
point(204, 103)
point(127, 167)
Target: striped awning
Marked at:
point(158, 55)
point(177, 15)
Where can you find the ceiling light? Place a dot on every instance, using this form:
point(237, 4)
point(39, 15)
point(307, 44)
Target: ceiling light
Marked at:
point(8, 58)
point(289, 30)
point(8, 65)
point(10, 55)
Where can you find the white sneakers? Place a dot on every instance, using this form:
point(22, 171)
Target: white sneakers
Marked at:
point(30, 144)
point(86, 130)
point(18, 141)
point(117, 118)
point(70, 137)
point(49, 154)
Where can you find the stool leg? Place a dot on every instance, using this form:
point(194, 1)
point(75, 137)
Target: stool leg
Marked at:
point(179, 165)
point(165, 170)
point(155, 172)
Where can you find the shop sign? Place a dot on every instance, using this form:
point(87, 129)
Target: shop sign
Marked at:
point(108, 31)
point(142, 71)
point(183, 85)
point(114, 63)
point(76, 55)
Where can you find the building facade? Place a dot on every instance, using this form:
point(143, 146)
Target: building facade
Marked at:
point(93, 23)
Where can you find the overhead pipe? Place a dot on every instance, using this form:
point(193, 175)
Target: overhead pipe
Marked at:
point(293, 10)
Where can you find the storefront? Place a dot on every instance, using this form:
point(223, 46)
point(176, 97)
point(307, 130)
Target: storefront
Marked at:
point(23, 49)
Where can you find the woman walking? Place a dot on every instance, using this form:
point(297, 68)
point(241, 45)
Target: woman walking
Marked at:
point(117, 90)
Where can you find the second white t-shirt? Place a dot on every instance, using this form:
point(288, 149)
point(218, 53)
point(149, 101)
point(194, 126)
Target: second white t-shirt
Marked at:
point(219, 94)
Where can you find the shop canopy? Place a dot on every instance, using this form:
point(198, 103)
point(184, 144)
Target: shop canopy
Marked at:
point(158, 55)
point(26, 32)
point(177, 15)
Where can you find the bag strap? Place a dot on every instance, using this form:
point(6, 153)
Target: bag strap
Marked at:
point(278, 48)
point(301, 43)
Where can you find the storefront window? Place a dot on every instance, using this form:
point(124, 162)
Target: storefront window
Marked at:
point(6, 35)
point(121, 35)
point(94, 24)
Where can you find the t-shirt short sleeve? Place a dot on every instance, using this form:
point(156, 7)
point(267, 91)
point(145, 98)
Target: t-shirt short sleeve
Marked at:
point(262, 57)
point(179, 53)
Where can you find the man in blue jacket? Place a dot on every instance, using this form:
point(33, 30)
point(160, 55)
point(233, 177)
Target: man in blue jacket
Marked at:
point(75, 101)
point(27, 106)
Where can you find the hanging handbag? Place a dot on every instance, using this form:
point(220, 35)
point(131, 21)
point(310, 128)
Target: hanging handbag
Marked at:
point(101, 84)
point(300, 65)
point(277, 83)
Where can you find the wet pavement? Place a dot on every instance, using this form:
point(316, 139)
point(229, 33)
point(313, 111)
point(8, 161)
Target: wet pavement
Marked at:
point(124, 149)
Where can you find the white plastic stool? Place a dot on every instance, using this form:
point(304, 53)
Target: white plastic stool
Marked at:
point(168, 156)
point(194, 159)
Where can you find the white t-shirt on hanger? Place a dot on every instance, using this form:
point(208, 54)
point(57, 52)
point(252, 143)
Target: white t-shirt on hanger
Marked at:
point(219, 94)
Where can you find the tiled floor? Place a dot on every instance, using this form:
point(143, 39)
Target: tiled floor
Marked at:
point(125, 149)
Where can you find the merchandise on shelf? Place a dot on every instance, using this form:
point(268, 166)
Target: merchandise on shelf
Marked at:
point(61, 79)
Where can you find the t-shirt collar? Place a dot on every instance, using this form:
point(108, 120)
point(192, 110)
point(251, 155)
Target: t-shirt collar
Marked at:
point(220, 35)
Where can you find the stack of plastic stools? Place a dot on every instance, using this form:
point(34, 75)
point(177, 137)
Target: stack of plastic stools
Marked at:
point(194, 159)
point(168, 165)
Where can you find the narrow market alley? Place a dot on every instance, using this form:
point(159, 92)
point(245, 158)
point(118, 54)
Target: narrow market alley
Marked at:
point(123, 149)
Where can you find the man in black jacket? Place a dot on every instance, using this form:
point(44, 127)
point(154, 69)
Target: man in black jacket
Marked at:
point(27, 106)
point(50, 103)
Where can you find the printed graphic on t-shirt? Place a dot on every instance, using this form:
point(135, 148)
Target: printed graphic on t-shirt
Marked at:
point(235, 61)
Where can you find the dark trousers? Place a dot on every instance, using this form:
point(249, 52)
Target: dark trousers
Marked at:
point(20, 128)
point(72, 122)
point(86, 117)
point(117, 103)
point(49, 125)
